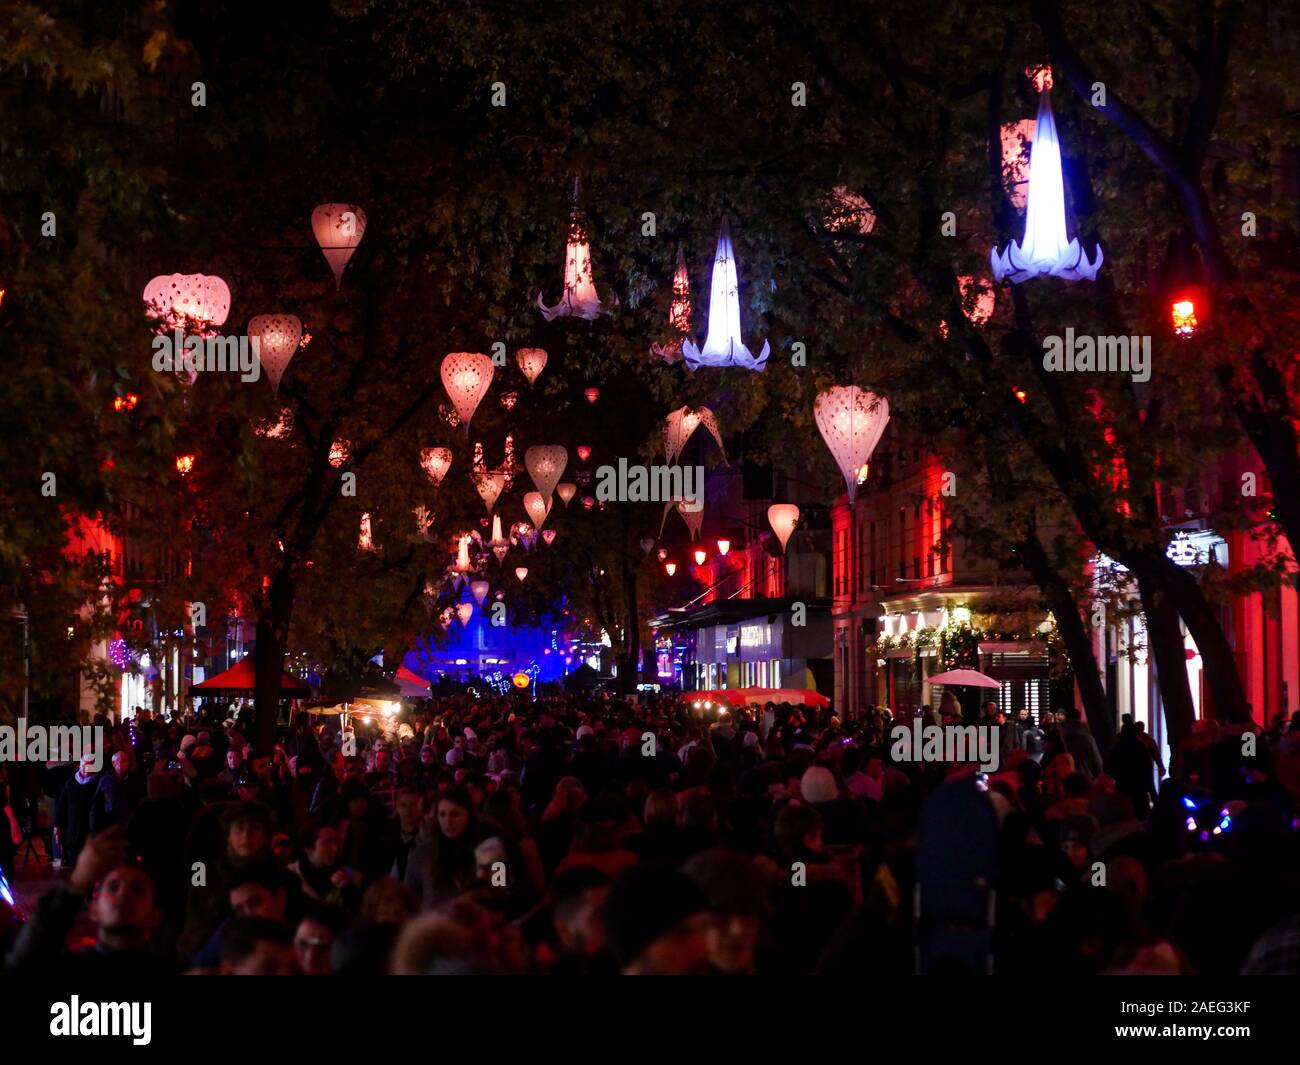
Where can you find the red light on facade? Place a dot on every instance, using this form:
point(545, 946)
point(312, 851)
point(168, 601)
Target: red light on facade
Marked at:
point(723, 547)
point(670, 568)
point(700, 556)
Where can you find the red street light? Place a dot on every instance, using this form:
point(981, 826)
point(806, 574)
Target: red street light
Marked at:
point(670, 568)
point(723, 547)
point(700, 556)
point(1182, 312)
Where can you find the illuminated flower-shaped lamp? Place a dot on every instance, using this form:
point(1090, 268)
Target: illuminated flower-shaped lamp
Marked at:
point(680, 426)
point(692, 515)
point(184, 464)
point(275, 338)
point(532, 361)
point(436, 461)
point(549, 536)
point(1045, 250)
point(851, 421)
point(339, 228)
point(499, 544)
point(663, 553)
point(466, 376)
point(545, 464)
point(489, 487)
point(588, 502)
point(462, 565)
point(783, 517)
point(848, 212)
point(521, 572)
point(580, 299)
point(566, 491)
point(679, 313)
point(479, 589)
point(722, 344)
point(537, 508)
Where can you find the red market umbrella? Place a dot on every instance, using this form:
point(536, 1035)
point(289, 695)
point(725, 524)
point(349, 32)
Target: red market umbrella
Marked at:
point(412, 685)
point(970, 678)
point(793, 696)
point(240, 680)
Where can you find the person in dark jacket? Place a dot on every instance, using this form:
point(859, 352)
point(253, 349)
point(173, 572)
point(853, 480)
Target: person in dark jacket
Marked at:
point(116, 796)
point(1077, 740)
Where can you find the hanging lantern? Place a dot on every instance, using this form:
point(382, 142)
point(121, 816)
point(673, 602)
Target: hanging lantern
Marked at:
point(545, 465)
point(783, 517)
point(663, 553)
point(127, 402)
point(521, 572)
point(1016, 138)
point(723, 547)
point(462, 565)
point(364, 540)
point(670, 568)
point(196, 304)
point(580, 299)
point(584, 452)
point(339, 228)
point(436, 461)
point(1045, 251)
point(851, 421)
point(693, 515)
point(679, 313)
point(532, 361)
point(592, 395)
point(680, 426)
point(479, 589)
point(700, 556)
point(499, 544)
point(464, 611)
point(722, 345)
point(489, 487)
point(647, 544)
point(537, 508)
point(549, 536)
point(466, 376)
point(566, 491)
point(275, 338)
point(1020, 394)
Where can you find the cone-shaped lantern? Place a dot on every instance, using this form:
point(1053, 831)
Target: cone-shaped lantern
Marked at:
point(549, 536)
point(566, 491)
point(479, 589)
point(436, 462)
point(194, 303)
point(537, 508)
point(499, 544)
point(1045, 250)
point(532, 361)
point(275, 338)
point(489, 487)
point(783, 517)
point(851, 421)
point(339, 228)
point(545, 465)
point(693, 515)
point(722, 344)
point(679, 313)
point(466, 376)
point(521, 572)
point(680, 426)
point(580, 299)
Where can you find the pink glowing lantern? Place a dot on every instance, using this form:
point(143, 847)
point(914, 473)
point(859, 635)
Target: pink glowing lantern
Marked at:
point(489, 487)
point(479, 589)
point(537, 507)
point(851, 421)
point(592, 395)
point(584, 452)
point(275, 338)
point(339, 228)
point(521, 572)
point(580, 299)
point(545, 464)
point(679, 313)
point(466, 376)
point(436, 461)
point(783, 517)
point(566, 491)
point(532, 361)
point(549, 536)
point(680, 426)
point(464, 611)
point(588, 502)
point(196, 304)
point(723, 345)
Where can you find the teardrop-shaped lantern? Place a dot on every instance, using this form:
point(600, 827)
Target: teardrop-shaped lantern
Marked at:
point(1045, 250)
point(851, 421)
point(464, 611)
point(647, 544)
point(521, 572)
point(436, 461)
point(680, 426)
point(580, 299)
point(545, 464)
point(566, 491)
point(592, 394)
point(679, 313)
point(584, 452)
point(532, 361)
point(549, 536)
point(489, 487)
point(275, 338)
point(537, 507)
point(479, 589)
point(196, 304)
point(783, 517)
point(692, 515)
point(466, 376)
point(723, 345)
point(339, 228)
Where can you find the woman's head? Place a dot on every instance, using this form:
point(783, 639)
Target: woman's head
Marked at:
point(453, 814)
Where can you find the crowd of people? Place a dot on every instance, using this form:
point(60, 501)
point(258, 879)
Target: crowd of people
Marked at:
point(587, 835)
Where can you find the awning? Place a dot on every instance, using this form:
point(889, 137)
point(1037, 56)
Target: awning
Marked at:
point(240, 679)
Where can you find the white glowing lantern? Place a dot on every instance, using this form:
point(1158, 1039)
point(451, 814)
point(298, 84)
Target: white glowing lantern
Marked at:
point(338, 453)
point(436, 461)
point(848, 212)
point(521, 572)
point(339, 228)
point(489, 487)
point(193, 303)
point(1045, 250)
point(466, 376)
point(537, 508)
point(680, 426)
point(693, 515)
point(783, 517)
point(851, 421)
point(532, 361)
point(479, 589)
point(365, 541)
point(499, 544)
point(549, 536)
point(545, 465)
point(276, 338)
point(462, 565)
point(722, 344)
point(679, 313)
point(464, 611)
point(580, 299)
point(566, 491)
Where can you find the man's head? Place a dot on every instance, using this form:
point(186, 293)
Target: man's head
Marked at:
point(733, 887)
point(258, 894)
point(312, 942)
point(658, 923)
point(248, 830)
point(256, 946)
point(121, 763)
point(322, 845)
point(124, 908)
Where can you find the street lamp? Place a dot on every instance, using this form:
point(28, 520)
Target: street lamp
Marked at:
point(670, 568)
point(723, 547)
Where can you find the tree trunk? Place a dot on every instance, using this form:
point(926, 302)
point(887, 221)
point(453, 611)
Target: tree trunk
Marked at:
point(1165, 638)
point(268, 658)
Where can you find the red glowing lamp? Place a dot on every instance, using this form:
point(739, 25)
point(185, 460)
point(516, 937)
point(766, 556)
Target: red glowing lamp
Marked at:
point(1182, 314)
point(127, 402)
point(184, 464)
point(723, 547)
point(1020, 394)
point(592, 395)
point(700, 556)
point(670, 568)
point(584, 452)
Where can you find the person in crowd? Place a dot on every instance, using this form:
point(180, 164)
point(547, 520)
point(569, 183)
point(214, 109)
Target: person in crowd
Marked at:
point(72, 811)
